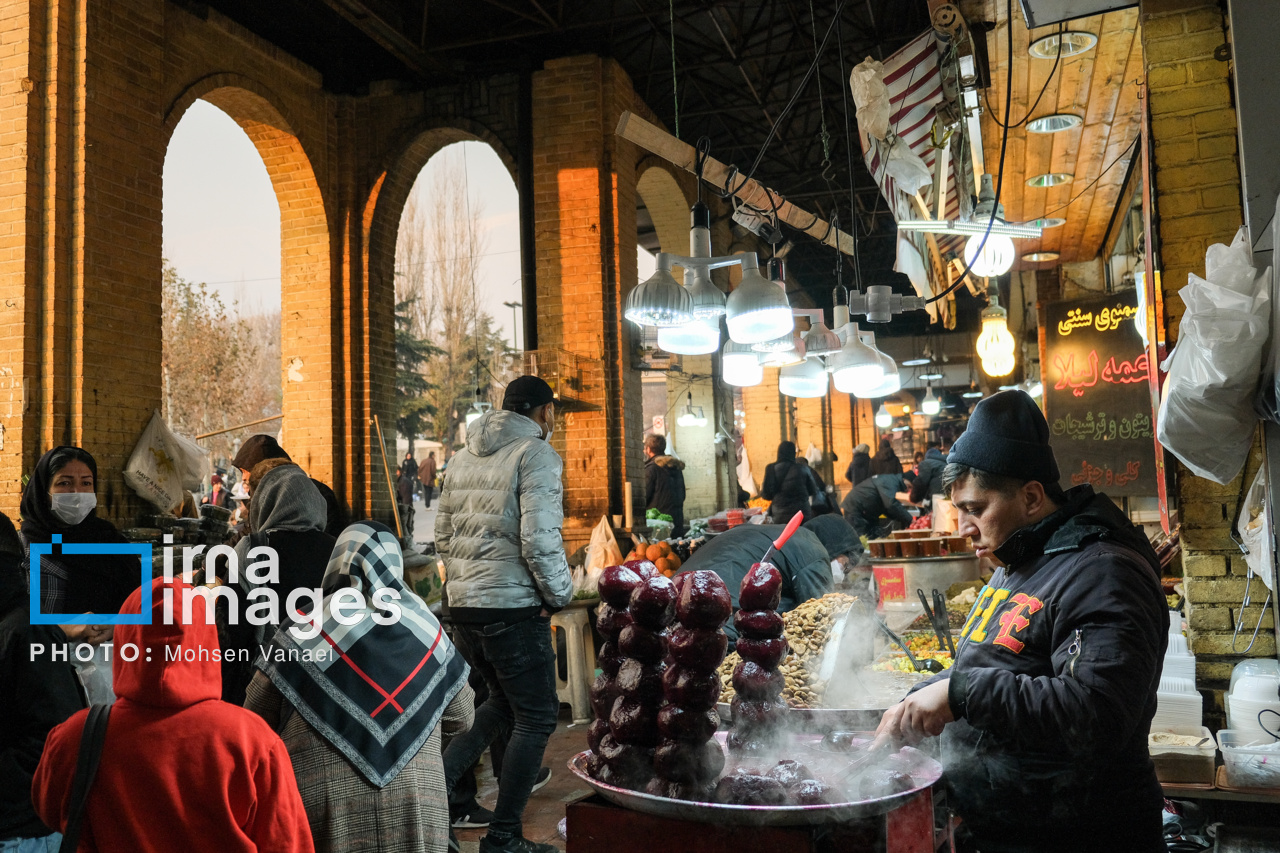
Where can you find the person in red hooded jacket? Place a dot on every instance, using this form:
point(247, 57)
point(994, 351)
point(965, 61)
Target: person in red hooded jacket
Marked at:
point(181, 770)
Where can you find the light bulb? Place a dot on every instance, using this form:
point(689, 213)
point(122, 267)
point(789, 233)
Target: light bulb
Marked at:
point(996, 257)
point(995, 344)
point(856, 368)
point(806, 379)
point(757, 309)
point(659, 300)
point(740, 366)
point(930, 404)
point(698, 337)
point(884, 420)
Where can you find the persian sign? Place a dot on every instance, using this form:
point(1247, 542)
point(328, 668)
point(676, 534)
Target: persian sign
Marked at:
point(1096, 396)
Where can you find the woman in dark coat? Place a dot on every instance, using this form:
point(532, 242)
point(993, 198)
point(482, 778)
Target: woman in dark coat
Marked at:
point(60, 500)
point(860, 468)
point(885, 461)
point(788, 484)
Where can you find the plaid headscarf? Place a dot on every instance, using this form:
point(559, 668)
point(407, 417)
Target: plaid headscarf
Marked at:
point(379, 690)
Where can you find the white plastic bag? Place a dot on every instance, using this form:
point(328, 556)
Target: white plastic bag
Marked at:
point(906, 168)
point(163, 465)
point(602, 550)
point(813, 455)
point(1206, 416)
point(95, 676)
point(871, 97)
point(1255, 530)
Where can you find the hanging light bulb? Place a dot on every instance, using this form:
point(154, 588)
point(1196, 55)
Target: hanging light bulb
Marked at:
point(806, 379)
point(778, 344)
point(660, 300)
point(692, 416)
point(930, 404)
point(884, 420)
point(989, 256)
point(697, 337)
point(793, 354)
point(820, 340)
point(892, 379)
point(995, 344)
point(708, 300)
point(740, 365)
point(478, 408)
point(758, 309)
point(856, 368)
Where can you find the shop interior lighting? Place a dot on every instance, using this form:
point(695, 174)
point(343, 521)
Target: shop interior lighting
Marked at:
point(782, 357)
point(979, 223)
point(708, 300)
point(740, 365)
point(659, 300)
point(1040, 257)
point(806, 379)
point(917, 362)
point(930, 405)
point(1056, 123)
point(884, 420)
point(1073, 43)
point(758, 309)
point(995, 344)
point(820, 340)
point(1048, 222)
point(856, 368)
point(697, 337)
point(1035, 389)
point(478, 408)
point(892, 381)
point(989, 256)
point(1050, 179)
point(692, 416)
point(930, 377)
point(778, 344)
point(973, 393)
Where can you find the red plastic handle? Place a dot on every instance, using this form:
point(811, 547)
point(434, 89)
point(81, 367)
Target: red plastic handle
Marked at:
point(792, 526)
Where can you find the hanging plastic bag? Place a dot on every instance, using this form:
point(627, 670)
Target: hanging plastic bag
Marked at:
point(1206, 416)
point(192, 460)
point(871, 97)
point(602, 550)
point(813, 455)
point(906, 168)
point(152, 470)
point(1255, 530)
point(95, 676)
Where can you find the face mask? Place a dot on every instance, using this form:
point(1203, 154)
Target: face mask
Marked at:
point(837, 572)
point(550, 432)
point(72, 508)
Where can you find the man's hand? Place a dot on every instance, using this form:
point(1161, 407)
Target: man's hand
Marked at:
point(94, 634)
point(920, 715)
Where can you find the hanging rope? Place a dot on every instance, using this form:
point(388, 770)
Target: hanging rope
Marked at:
point(822, 110)
point(675, 94)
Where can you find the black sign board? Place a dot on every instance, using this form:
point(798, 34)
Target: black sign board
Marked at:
point(1096, 395)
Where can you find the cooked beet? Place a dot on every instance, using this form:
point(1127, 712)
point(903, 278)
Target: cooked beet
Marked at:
point(767, 653)
point(698, 649)
point(752, 681)
point(615, 585)
point(660, 787)
point(789, 772)
point(676, 723)
point(884, 783)
point(610, 658)
point(758, 624)
point(595, 766)
point(757, 714)
point(598, 729)
point(640, 681)
point(681, 761)
point(611, 620)
point(642, 644)
point(693, 691)
point(761, 588)
point(604, 690)
point(645, 569)
point(741, 742)
point(811, 792)
point(704, 601)
point(653, 603)
point(634, 723)
point(744, 790)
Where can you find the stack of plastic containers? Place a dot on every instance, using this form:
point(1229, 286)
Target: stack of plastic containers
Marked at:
point(1253, 702)
point(1177, 702)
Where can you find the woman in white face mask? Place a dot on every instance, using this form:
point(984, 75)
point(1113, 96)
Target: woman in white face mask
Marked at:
point(59, 500)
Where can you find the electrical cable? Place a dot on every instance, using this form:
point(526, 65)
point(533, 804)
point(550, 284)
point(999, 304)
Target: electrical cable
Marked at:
point(848, 154)
point(675, 93)
point(1043, 89)
point(1090, 185)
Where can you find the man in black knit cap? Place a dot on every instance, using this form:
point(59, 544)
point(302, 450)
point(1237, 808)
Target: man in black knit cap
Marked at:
point(1045, 714)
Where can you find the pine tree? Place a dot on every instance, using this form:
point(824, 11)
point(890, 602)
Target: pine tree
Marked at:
point(414, 409)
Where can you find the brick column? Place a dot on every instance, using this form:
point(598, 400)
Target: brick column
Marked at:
point(1197, 189)
point(765, 419)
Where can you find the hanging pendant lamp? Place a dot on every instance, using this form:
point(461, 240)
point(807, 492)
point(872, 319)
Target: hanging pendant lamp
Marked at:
point(806, 379)
point(740, 365)
point(660, 300)
point(757, 310)
point(856, 368)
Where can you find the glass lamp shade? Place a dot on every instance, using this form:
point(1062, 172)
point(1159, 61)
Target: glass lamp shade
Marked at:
point(856, 368)
point(758, 309)
point(806, 379)
point(996, 257)
point(740, 365)
point(708, 300)
point(995, 344)
point(930, 405)
point(884, 420)
point(697, 337)
point(659, 301)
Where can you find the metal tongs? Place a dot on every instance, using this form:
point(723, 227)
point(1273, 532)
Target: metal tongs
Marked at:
point(926, 665)
point(940, 621)
point(879, 748)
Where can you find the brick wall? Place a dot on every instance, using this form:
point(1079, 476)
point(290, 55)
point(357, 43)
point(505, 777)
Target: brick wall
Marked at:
point(1197, 185)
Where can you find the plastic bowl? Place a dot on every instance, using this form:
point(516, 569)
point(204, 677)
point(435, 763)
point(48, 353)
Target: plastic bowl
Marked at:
point(1257, 688)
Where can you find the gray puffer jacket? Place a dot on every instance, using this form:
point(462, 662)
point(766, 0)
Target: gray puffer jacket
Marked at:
point(499, 518)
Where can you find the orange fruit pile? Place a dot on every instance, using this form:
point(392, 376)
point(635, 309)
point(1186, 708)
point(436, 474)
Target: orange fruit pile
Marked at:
point(660, 554)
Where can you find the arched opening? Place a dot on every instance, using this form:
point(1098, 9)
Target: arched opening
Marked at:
point(458, 301)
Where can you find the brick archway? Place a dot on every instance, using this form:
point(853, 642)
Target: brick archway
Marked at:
point(307, 293)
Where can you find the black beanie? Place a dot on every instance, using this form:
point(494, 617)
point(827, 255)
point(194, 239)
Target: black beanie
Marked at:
point(1008, 435)
point(257, 448)
point(526, 393)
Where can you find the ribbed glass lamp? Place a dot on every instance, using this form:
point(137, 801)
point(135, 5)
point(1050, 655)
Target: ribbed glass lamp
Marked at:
point(659, 300)
point(758, 309)
point(806, 379)
point(740, 365)
point(697, 337)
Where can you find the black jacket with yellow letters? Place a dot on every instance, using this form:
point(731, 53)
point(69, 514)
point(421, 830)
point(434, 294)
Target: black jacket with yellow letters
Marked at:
point(1054, 688)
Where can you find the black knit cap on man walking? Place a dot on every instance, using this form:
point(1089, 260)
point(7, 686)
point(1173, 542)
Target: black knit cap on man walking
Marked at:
point(1008, 435)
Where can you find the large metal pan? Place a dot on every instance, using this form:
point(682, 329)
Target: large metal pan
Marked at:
point(927, 775)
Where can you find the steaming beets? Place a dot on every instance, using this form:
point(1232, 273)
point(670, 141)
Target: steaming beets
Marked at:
point(642, 644)
point(596, 731)
point(653, 603)
point(676, 723)
point(698, 649)
point(884, 783)
point(752, 681)
point(758, 624)
point(660, 787)
point(641, 682)
point(609, 658)
point(767, 653)
point(611, 620)
point(604, 690)
point(616, 584)
point(755, 715)
point(761, 588)
point(745, 790)
point(789, 772)
point(704, 601)
point(740, 742)
point(811, 792)
point(694, 691)
point(645, 569)
point(631, 766)
point(634, 722)
point(680, 761)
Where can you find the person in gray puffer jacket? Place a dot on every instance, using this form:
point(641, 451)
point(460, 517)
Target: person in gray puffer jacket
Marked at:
point(498, 531)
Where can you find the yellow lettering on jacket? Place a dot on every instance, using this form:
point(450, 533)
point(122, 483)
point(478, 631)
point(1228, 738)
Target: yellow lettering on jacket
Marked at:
point(980, 633)
point(976, 612)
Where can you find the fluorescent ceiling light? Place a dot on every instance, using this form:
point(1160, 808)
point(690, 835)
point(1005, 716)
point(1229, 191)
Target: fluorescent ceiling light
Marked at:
point(916, 362)
point(965, 227)
point(929, 377)
point(1049, 179)
point(1039, 257)
point(1073, 44)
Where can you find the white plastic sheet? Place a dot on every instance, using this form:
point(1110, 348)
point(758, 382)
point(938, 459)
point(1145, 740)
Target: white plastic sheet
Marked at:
point(162, 465)
point(1255, 529)
point(1206, 414)
point(870, 97)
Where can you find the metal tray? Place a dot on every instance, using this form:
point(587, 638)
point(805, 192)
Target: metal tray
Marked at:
point(927, 776)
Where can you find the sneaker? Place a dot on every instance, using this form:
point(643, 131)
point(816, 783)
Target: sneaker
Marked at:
point(477, 817)
point(544, 776)
point(514, 844)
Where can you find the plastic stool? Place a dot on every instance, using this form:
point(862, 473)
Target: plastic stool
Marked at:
point(580, 662)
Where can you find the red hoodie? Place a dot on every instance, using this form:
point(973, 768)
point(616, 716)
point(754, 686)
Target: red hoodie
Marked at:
point(181, 769)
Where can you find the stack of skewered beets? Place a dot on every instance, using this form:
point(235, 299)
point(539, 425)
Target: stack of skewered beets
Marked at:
point(758, 706)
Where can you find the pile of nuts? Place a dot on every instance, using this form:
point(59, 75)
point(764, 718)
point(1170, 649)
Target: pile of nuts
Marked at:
point(807, 629)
